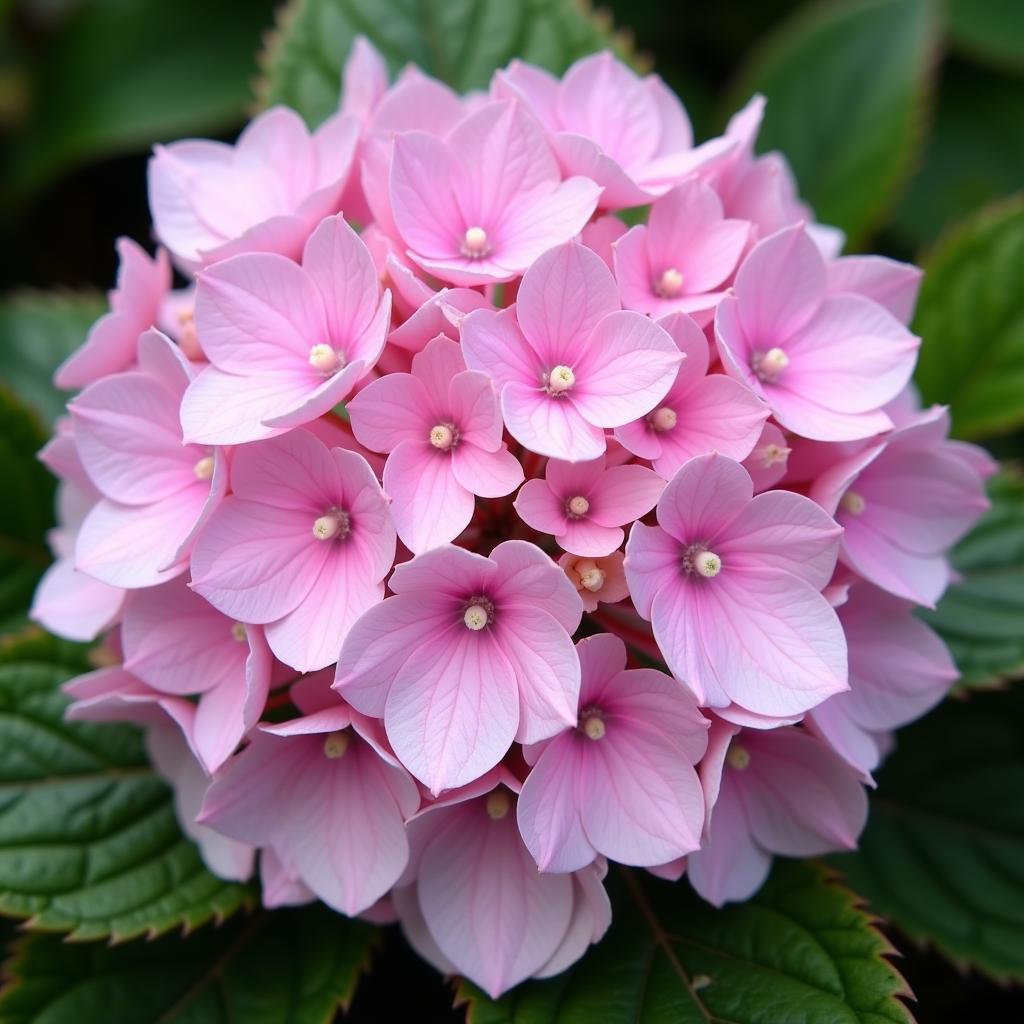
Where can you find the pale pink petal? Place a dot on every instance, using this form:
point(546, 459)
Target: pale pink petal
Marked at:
point(489, 474)
point(473, 405)
point(703, 498)
point(493, 344)
point(586, 537)
point(623, 494)
point(528, 578)
point(539, 507)
point(422, 199)
point(548, 425)
point(74, 605)
point(890, 283)
point(390, 410)
point(652, 563)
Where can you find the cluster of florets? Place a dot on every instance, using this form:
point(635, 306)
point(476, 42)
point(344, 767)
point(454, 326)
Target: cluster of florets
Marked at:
point(452, 538)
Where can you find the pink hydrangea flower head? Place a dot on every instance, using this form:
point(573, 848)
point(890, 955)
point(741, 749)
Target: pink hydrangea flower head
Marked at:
point(701, 412)
point(135, 306)
point(179, 644)
point(596, 579)
point(476, 904)
point(682, 258)
point(470, 654)
point(899, 669)
point(326, 794)
point(286, 343)
point(264, 194)
point(157, 491)
point(775, 791)
point(903, 503)
point(442, 426)
point(622, 783)
point(567, 360)
point(480, 207)
point(825, 365)
point(629, 134)
point(731, 584)
point(584, 505)
point(302, 545)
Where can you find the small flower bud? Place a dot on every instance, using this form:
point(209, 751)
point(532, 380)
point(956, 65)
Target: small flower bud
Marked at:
point(663, 420)
point(591, 575)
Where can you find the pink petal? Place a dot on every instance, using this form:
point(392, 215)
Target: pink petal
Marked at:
point(588, 538)
point(74, 605)
point(652, 564)
point(493, 344)
point(703, 498)
point(539, 507)
point(623, 494)
point(488, 474)
point(390, 410)
point(890, 283)
point(422, 199)
point(548, 425)
point(474, 408)
point(528, 578)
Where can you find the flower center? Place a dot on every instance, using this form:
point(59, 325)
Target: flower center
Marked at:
point(698, 559)
point(560, 379)
point(325, 360)
point(592, 724)
point(498, 804)
point(336, 744)
point(771, 455)
point(577, 508)
point(203, 469)
point(479, 613)
point(444, 437)
point(853, 503)
point(738, 757)
point(474, 243)
point(663, 420)
point(670, 284)
point(188, 340)
point(334, 524)
point(591, 575)
point(768, 365)
point(238, 632)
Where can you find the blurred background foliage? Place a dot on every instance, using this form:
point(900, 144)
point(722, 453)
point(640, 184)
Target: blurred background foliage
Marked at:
point(904, 122)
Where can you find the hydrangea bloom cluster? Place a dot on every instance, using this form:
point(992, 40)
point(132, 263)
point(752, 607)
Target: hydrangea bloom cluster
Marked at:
point(452, 540)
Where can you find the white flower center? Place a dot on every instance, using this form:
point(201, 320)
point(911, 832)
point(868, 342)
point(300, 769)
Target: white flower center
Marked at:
point(203, 469)
point(771, 455)
point(576, 508)
point(591, 575)
point(768, 365)
point(325, 360)
point(334, 524)
point(498, 804)
point(663, 420)
point(474, 243)
point(336, 744)
point(670, 284)
point(560, 379)
point(853, 503)
point(698, 559)
point(479, 612)
point(444, 436)
point(738, 757)
point(593, 727)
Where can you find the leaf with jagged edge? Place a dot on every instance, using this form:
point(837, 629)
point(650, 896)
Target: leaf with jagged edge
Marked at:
point(89, 842)
point(942, 856)
point(801, 949)
point(462, 42)
point(981, 616)
point(296, 965)
point(971, 318)
point(849, 88)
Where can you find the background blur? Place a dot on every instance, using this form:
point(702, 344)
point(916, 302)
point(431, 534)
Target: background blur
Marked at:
point(87, 86)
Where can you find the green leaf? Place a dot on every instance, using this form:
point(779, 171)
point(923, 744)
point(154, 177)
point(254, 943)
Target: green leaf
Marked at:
point(462, 42)
point(991, 30)
point(800, 950)
point(943, 854)
point(297, 966)
point(981, 618)
point(848, 85)
point(118, 75)
point(24, 521)
point(971, 317)
point(38, 330)
point(973, 156)
point(89, 842)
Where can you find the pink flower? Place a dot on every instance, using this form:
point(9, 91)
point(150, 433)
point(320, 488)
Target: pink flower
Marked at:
point(286, 343)
point(768, 461)
point(825, 365)
point(264, 194)
point(483, 205)
point(135, 306)
point(681, 259)
point(442, 425)
point(157, 491)
point(470, 654)
point(585, 505)
point(621, 783)
point(731, 584)
point(179, 644)
point(776, 791)
point(476, 904)
point(596, 579)
point(902, 504)
point(629, 134)
point(701, 413)
point(302, 544)
point(899, 669)
point(568, 361)
point(326, 794)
